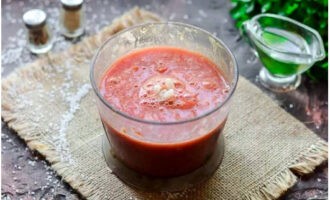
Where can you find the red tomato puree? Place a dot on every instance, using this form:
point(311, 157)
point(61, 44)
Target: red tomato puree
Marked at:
point(163, 84)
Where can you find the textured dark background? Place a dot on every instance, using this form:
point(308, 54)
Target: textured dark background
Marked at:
point(25, 175)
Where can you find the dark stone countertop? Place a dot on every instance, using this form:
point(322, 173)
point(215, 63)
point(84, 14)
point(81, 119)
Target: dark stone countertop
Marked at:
point(25, 175)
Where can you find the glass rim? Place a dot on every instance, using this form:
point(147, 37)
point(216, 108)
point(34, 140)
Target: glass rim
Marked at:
point(233, 82)
point(316, 56)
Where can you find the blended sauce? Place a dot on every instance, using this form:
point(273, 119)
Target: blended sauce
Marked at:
point(163, 84)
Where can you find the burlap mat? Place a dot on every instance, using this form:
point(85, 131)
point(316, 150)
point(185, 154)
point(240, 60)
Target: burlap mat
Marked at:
point(51, 105)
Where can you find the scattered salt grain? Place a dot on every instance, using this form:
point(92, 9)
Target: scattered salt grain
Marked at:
point(32, 163)
point(11, 55)
point(89, 9)
point(251, 59)
point(172, 16)
point(202, 13)
point(148, 7)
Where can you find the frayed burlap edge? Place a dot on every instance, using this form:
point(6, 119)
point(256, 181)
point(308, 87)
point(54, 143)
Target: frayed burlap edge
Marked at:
point(307, 161)
point(274, 188)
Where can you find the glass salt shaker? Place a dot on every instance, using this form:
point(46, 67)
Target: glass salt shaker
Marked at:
point(72, 19)
point(39, 36)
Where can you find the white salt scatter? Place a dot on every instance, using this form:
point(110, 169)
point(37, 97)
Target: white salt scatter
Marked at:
point(290, 105)
point(172, 16)
point(189, 2)
point(20, 32)
point(114, 10)
point(61, 143)
point(202, 13)
point(94, 16)
point(185, 16)
point(89, 9)
point(251, 59)
point(318, 180)
point(11, 55)
point(32, 163)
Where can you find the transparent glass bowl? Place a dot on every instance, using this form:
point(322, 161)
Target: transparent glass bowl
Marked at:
point(285, 47)
point(197, 146)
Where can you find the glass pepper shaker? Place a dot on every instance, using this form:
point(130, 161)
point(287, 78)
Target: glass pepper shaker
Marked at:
point(72, 19)
point(39, 36)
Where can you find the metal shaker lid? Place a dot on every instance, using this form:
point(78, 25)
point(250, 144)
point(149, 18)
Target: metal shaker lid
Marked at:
point(72, 4)
point(34, 18)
